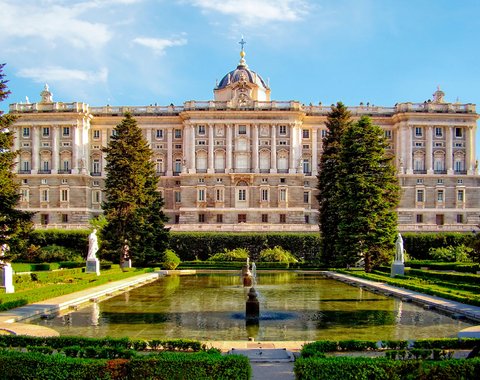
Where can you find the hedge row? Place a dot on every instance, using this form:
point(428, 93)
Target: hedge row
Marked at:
point(465, 278)
point(359, 368)
point(168, 365)
point(457, 267)
point(417, 245)
point(73, 239)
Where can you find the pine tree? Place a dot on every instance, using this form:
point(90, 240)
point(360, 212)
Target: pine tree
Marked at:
point(14, 224)
point(328, 178)
point(370, 193)
point(133, 206)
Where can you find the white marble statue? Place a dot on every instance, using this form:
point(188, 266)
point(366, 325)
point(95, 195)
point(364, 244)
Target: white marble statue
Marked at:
point(399, 251)
point(92, 245)
point(4, 248)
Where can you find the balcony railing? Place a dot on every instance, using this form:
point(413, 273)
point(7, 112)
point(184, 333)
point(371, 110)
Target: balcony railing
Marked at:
point(24, 171)
point(440, 172)
point(96, 174)
point(420, 171)
point(44, 171)
point(460, 172)
point(65, 171)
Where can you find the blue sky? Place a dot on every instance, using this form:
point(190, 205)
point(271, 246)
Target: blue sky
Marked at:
point(139, 52)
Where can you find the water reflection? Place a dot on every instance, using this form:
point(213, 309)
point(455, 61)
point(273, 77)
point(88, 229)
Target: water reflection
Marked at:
point(293, 306)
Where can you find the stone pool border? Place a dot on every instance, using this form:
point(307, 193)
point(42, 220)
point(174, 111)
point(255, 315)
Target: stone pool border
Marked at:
point(9, 320)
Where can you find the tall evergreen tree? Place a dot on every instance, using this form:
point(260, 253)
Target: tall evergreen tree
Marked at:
point(370, 193)
point(133, 206)
point(328, 178)
point(14, 224)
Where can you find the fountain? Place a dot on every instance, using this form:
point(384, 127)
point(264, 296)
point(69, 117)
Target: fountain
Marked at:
point(247, 275)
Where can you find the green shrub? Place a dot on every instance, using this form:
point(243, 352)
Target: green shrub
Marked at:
point(318, 348)
point(238, 254)
point(52, 253)
point(277, 254)
point(170, 260)
point(459, 253)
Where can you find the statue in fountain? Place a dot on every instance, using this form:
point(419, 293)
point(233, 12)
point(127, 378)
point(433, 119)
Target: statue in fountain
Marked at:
point(247, 275)
point(398, 265)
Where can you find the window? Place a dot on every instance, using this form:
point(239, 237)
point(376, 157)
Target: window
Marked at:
point(64, 195)
point(46, 131)
point(44, 195)
point(44, 219)
point(458, 132)
point(177, 219)
point(64, 181)
point(66, 165)
point(178, 165)
point(24, 195)
point(178, 196)
point(242, 218)
point(178, 146)
point(201, 180)
point(242, 194)
point(44, 181)
point(201, 195)
point(219, 218)
point(201, 129)
point(114, 133)
point(178, 133)
point(438, 131)
point(323, 133)
point(458, 165)
point(96, 134)
point(45, 166)
point(264, 218)
point(306, 133)
point(283, 130)
point(460, 195)
point(159, 165)
point(242, 129)
point(264, 180)
point(26, 166)
point(96, 183)
point(306, 197)
point(96, 165)
point(388, 134)
point(282, 180)
point(159, 133)
point(96, 196)
point(418, 131)
point(440, 196)
point(282, 142)
point(264, 195)
point(306, 183)
point(307, 219)
point(201, 218)
point(419, 218)
point(202, 142)
point(460, 181)
point(459, 218)
point(419, 181)
point(219, 180)
point(306, 166)
point(420, 195)
point(24, 181)
point(283, 195)
point(219, 195)
point(283, 218)
point(26, 132)
point(64, 218)
point(66, 131)
point(440, 181)
point(306, 146)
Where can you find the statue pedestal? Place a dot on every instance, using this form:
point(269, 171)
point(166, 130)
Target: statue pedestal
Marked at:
point(6, 278)
point(126, 264)
point(398, 269)
point(93, 266)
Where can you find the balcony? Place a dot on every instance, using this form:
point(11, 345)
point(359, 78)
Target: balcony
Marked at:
point(65, 171)
point(176, 174)
point(96, 174)
point(439, 172)
point(219, 170)
point(44, 171)
point(24, 171)
point(282, 170)
point(420, 172)
point(460, 172)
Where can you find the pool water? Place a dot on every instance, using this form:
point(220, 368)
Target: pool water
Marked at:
point(293, 306)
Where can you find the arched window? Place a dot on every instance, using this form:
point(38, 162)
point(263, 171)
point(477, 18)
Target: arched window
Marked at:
point(439, 161)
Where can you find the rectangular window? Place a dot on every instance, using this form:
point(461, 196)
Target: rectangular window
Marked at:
point(178, 166)
point(26, 166)
point(24, 195)
point(460, 195)
point(440, 195)
point(66, 131)
point(323, 133)
point(46, 131)
point(96, 196)
point(178, 196)
point(44, 195)
point(96, 134)
point(45, 165)
point(306, 197)
point(282, 180)
point(388, 134)
point(178, 146)
point(66, 165)
point(418, 131)
point(420, 195)
point(440, 181)
point(96, 166)
point(219, 218)
point(438, 131)
point(419, 181)
point(219, 195)
point(177, 219)
point(283, 195)
point(307, 219)
point(159, 133)
point(64, 181)
point(419, 218)
point(242, 129)
point(201, 129)
point(305, 133)
point(459, 218)
point(264, 218)
point(242, 218)
point(283, 218)
point(264, 195)
point(242, 195)
point(64, 218)
point(283, 130)
point(64, 195)
point(201, 218)
point(178, 133)
point(44, 219)
point(26, 132)
point(458, 132)
point(201, 195)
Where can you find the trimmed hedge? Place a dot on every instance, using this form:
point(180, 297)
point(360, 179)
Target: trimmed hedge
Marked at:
point(73, 239)
point(457, 267)
point(465, 278)
point(417, 245)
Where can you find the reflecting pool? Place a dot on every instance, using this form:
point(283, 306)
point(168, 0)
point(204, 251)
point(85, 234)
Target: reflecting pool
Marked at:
point(293, 306)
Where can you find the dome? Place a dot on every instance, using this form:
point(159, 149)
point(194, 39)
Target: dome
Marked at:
point(240, 73)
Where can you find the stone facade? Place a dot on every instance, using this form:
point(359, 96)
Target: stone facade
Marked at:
point(243, 162)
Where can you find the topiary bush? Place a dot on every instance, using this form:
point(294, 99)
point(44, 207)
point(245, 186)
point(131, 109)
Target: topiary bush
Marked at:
point(277, 255)
point(237, 254)
point(170, 260)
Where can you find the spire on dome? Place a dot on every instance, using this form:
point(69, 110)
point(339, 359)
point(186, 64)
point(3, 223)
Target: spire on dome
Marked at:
point(242, 62)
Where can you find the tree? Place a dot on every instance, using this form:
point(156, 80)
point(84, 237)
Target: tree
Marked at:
point(133, 206)
point(328, 178)
point(370, 193)
point(14, 224)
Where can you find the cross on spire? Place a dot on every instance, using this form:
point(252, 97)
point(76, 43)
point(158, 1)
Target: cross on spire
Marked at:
point(242, 42)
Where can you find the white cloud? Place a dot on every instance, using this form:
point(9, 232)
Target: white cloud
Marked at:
point(158, 45)
point(56, 74)
point(251, 12)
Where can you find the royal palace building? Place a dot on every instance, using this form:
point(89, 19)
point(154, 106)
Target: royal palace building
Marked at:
point(243, 162)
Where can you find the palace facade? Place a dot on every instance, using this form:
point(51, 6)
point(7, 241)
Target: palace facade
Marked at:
point(243, 162)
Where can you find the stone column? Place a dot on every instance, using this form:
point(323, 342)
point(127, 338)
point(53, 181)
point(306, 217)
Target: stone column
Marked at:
point(469, 150)
point(211, 159)
point(449, 150)
point(103, 142)
point(191, 141)
point(292, 166)
point(314, 152)
point(148, 136)
point(74, 149)
point(55, 148)
point(409, 157)
point(169, 151)
point(255, 166)
point(273, 150)
point(429, 150)
point(228, 165)
point(35, 148)
point(17, 135)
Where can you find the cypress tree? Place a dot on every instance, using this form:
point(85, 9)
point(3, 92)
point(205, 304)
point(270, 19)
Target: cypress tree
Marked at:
point(369, 193)
point(14, 224)
point(328, 178)
point(133, 206)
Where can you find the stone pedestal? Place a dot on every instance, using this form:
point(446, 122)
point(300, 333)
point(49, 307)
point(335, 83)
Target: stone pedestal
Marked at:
point(93, 266)
point(398, 269)
point(126, 264)
point(252, 308)
point(6, 278)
